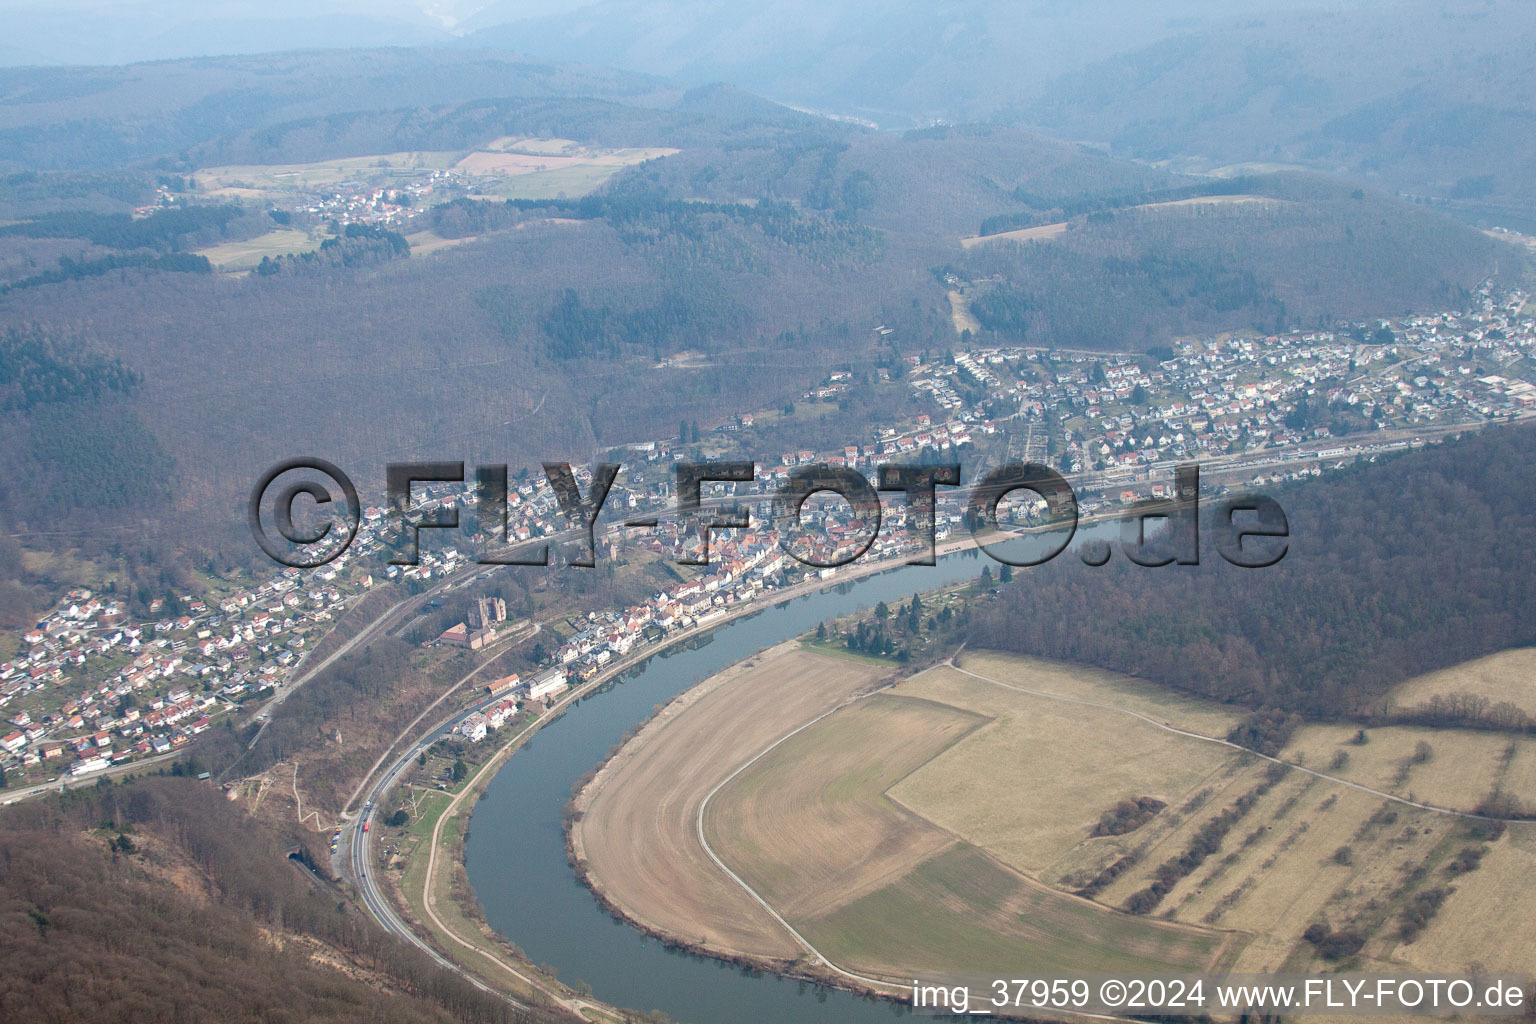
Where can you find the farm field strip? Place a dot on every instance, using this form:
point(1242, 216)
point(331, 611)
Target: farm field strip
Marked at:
point(571, 166)
point(934, 825)
point(756, 896)
point(833, 840)
point(1029, 787)
point(1325, 846)
point(807, 827)
point(1418, 804)
point(637, 834)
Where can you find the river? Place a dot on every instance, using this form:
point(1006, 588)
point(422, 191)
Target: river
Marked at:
point(516, 849)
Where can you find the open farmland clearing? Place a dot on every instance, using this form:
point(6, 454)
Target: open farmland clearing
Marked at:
point(1505, 676)
point(879, 889)
point(638, 832)
point(1488, 919)
point(963, 913)
point(507, 168)
point(812, 817)
point(945, 825)
point(1046, 232)
point(244, 255)
point(1030, 793)
point(1461, 768)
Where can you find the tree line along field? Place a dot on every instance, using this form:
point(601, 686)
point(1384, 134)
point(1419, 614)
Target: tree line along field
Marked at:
point(1014, 814)
point(1503, 676)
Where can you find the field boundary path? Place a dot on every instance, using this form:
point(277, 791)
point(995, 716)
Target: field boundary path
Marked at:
point(1433, 808)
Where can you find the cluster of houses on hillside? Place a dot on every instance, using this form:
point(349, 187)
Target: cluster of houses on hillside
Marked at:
point(1253, 392)
point(88, 672)
point(91, 684)
point(507, 696)
point(355, 202)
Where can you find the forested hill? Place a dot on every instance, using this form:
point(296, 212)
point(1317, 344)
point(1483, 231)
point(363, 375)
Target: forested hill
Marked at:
point(768, 247)
point(159, 900)
point(1394, 569)
point(774, 237)
point(1432, 97)
point(108, 117)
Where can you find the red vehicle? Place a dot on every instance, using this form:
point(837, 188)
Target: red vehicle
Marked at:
point(365, 826)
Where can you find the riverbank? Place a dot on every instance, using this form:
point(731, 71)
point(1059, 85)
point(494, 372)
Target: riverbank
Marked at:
point(630, 827)
point(442, 881)
point(520, 873)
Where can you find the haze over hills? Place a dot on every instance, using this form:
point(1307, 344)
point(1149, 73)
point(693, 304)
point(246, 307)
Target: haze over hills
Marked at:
point(700, 40)
point(1428, 98)
point(74, 32)
point(897, 65)
point(1106, 237)
point(114, 116)
point(809, 234)
point(1412, 95)
point(1415, 95)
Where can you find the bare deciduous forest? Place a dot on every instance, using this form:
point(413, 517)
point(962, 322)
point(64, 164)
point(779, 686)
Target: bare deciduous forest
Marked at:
point(1392, 570)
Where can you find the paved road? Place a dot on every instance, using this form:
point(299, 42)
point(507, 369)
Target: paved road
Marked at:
point(361, 862)
point(505, 645)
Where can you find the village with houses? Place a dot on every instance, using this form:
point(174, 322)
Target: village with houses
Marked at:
point(88, 689)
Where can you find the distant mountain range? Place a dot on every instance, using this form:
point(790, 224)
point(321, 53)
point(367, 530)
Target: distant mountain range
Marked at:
point(1432, 98)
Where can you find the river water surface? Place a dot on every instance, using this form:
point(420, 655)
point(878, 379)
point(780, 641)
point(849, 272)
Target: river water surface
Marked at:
point(516, 849)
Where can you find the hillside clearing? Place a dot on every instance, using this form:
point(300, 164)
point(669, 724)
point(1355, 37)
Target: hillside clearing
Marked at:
point(1505, 676)
point(244, 255)
point(1045, 232)
point(960, 314)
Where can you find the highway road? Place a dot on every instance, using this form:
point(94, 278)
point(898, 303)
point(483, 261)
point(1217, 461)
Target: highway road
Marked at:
point(359, 857)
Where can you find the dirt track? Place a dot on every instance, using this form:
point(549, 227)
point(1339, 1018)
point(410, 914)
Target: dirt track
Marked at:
point(638, 835)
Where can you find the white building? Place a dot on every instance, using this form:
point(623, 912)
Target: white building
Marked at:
point(473, 728)
point(547, 684)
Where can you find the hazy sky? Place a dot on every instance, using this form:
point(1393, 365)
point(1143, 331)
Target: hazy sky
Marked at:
point(625, 33)
point(169, 12)
point(120, 31)
point(185, 8)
